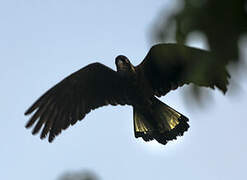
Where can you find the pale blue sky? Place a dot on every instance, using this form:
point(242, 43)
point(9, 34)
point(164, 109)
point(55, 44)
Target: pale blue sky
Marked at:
point(43, 41)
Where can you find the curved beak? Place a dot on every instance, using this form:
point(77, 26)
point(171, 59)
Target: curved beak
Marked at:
point(120, 64)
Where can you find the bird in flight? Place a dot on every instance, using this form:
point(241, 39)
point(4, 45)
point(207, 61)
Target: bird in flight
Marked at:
point(166, 67)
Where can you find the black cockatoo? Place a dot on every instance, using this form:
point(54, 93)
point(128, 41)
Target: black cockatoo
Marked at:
point(165, 68)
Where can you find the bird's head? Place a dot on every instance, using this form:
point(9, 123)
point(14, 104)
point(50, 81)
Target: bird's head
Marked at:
point(123, 64)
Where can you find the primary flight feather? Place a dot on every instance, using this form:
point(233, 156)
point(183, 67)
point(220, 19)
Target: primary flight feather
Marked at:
point(165, 68)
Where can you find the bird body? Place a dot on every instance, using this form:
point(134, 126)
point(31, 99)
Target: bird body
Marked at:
point(165, 68)
point(152, 118)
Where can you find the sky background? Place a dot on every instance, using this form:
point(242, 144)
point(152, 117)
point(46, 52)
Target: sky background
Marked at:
point(43, 41)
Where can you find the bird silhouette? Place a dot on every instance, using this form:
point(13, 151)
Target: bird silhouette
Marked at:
point(166, 67)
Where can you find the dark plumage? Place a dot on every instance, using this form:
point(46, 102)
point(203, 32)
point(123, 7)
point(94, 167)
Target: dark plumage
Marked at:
point(165, 68)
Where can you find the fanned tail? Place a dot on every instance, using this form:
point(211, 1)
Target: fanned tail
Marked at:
point(162, 123)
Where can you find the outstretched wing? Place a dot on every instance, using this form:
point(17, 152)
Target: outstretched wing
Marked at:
point(168, 66)
point(71, 99)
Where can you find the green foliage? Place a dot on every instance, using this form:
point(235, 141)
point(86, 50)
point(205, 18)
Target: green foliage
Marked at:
point(83, 175)
point(223, 23)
